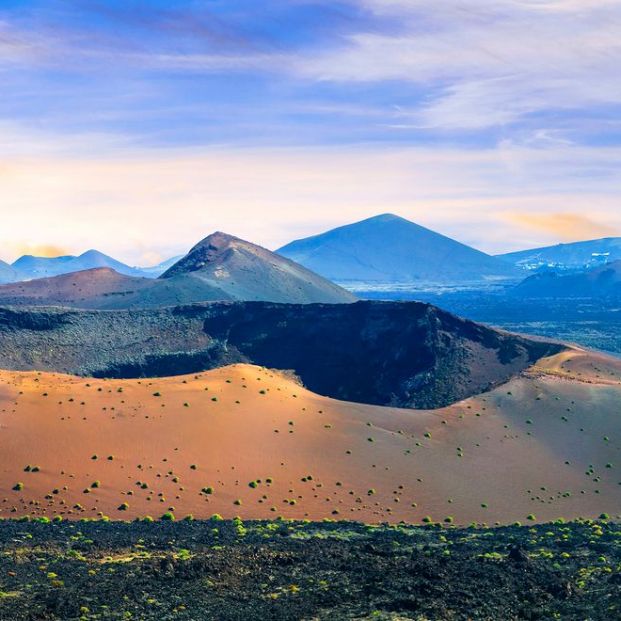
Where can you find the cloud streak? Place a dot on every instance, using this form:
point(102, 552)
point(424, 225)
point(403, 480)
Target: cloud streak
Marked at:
point(566, 226)
point(487, 64)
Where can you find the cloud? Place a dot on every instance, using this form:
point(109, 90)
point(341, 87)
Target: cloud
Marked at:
point(130, 202)
point(566, 226)
point(451, 65)
point(38, 250)
point(486, 64)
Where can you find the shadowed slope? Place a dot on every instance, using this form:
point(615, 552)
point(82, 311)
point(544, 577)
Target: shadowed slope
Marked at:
point(7, 273)
point(593, 283)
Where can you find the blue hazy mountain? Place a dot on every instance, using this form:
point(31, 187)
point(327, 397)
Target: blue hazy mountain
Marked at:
point(31, 267)
point(602, 281)
point(8, 273)
point(390, 249)
point(573, 255)
point(157, 270)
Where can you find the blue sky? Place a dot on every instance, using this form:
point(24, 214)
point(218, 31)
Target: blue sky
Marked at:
point(137, 127)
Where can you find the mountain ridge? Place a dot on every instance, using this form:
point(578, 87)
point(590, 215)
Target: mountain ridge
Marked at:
point(602, 281)
point(236, 270)
point(569, 255)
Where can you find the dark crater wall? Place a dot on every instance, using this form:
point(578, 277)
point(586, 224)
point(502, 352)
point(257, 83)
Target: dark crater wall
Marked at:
point(385, 353)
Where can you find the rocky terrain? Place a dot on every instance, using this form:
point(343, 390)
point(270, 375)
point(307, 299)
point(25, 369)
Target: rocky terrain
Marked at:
point(403, 354)
point(234, 570)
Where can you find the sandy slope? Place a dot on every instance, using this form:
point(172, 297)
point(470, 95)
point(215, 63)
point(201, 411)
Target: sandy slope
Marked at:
point(540, 444)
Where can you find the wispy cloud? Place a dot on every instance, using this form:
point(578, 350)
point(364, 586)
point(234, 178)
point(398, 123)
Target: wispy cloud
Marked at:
point(566, 226)
point(486, 64)
point(162, 201)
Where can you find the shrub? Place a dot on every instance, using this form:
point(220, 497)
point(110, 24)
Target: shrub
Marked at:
point(168, 517)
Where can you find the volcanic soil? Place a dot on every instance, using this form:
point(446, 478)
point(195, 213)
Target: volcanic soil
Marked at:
point(246, 441)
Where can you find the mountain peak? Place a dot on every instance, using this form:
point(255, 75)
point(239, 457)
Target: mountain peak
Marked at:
point(217, 240)
point(390, 249)
point(208, 251)
point(385, 217)
point(243, 270)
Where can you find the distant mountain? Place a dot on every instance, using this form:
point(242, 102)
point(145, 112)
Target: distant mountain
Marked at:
point(390, 249)
point(596, 282)
point(156, 271)
point(43, 267)
point(244, 271)
point(221, 267)
point(567, 256)
point(39, 267)
point(8, 273)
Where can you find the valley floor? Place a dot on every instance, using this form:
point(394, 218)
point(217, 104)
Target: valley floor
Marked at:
point(281, 570)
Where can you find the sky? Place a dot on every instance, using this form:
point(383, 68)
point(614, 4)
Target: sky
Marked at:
point(139, 127)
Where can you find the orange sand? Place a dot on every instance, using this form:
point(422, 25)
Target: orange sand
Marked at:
point(497, 457)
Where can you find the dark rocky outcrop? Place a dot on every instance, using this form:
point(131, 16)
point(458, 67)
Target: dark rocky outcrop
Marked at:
point(401, 354)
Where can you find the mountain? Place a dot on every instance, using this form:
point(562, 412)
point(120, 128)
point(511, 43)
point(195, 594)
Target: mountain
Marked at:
point(567, 256)
point(220, 267)
point(244, 271)
point(390, 249)
point(603, 281)
point(156, 271)
point(383, 353)
point(44, 267)
point(8, 273)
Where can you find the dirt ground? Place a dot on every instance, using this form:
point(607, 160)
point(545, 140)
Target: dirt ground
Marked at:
point(243, 440)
